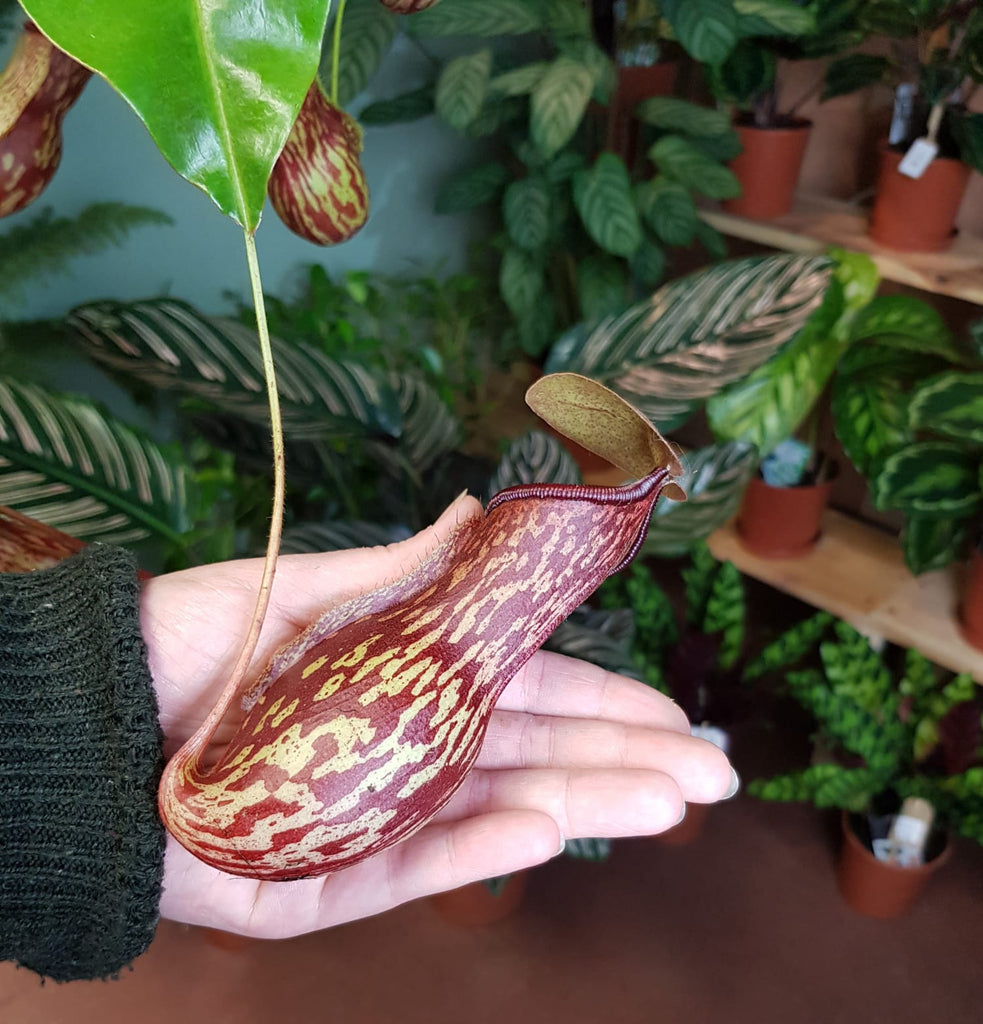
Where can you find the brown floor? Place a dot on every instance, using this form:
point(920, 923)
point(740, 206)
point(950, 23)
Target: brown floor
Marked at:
point(743, 926)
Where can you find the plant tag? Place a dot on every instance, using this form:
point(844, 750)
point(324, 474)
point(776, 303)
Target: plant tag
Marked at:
point(919, 156)
point(712, 734)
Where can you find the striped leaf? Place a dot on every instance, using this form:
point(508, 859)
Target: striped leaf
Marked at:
point(462, 87)
point(697, 333)
point(558, 103)
point(668, 209)
point(937, 478)
point(430, 429)
point(367, 35)
point(714, 479)
point(595, 850)
point(519, 81)
point(690, 166)
point(935, 542)
point(477, 186)
point(602, 637)
point(950, 404)
point(904, 322)
point(169, 345)
point(306, 538)
point(487, 18)
point(770, 404)
point(603, 197)
point(675, 115)
point(567, 18)
point(601, 286)
point(534, 457)
point(601, 67)
point(706, 29)
point(520, 280)
point(67, 463)
point(527, 207)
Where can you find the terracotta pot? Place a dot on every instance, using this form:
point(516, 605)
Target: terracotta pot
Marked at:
point(782, 522)
point(475, 904)
point(917, 214)
point(971, 606)
point(874, 888)
point(768, 169)
point(689, 829)
point(634, 85)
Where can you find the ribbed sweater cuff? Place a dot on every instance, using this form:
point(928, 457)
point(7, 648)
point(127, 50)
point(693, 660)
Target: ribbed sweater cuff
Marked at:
point(81, 846)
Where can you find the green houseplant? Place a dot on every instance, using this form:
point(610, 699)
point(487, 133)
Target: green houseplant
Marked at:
point(886, 734)
point(935, 65)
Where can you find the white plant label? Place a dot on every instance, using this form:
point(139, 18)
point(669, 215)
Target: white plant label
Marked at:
point(919, 156)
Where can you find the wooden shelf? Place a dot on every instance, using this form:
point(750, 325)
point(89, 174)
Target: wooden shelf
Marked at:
point(817, 222)
point(858, 573)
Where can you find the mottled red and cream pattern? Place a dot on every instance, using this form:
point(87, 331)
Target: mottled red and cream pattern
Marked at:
point(362, 729)
point(318, 186)
point(37, 88)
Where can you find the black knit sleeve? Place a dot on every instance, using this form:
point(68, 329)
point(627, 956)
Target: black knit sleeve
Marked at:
point(81, 845)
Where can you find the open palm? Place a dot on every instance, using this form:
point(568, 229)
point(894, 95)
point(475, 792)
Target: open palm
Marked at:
point(571, 751)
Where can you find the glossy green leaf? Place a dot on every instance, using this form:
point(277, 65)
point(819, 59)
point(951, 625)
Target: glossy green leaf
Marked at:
point(487, 18)
point(603, 197)
point(853, 72)
point(67, 463)
point(410, 106)
point(467, 190)
point(558, 103)
point(217, 90)
point(949, 404)
point(722, 148)
point(496, 112)
point(690, 166)
point(170, 345)
point(534, 457)
point(601, 67)
point(714, 479)
point(745, 75)
point(567, 18)
point(527, 207)
point(601, 286)
point(675, 115)
point(462, 87)
point(929, 478)
point(706, 29)
point(668, 209)
point(869, 417)
point(648, 264)
point(698, 333)
point(367, 35)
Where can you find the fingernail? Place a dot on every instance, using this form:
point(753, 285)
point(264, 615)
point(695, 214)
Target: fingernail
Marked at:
point(682, 815)
point(734, 787)
point(563, 846)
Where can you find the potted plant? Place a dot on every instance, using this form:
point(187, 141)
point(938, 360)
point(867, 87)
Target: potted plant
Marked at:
point(886, 735)
point(936, 64)
point(907, 415)
point(774, 137)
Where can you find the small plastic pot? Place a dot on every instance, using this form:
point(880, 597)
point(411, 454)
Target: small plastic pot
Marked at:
point(768, 169)
point(782, 522)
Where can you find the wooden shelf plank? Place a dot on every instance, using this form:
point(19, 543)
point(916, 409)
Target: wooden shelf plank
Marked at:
point(816, 222)
point(857, 572)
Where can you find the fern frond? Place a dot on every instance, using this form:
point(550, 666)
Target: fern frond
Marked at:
point(46, 244)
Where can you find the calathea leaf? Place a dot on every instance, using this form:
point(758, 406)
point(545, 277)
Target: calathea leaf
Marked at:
point(168, 344)
point(714, 479)
point(668, 209)
point(648, 264)
point(601, 286)
point(675, 115)
point(472, 188)
point(853, 72)
point(936, 478)
point(604, 201)
point(520, 280)
point(430, 429)
point(690, 166)
point(558, 103)
point(66, 462)
point(773, 18)
point(189, 69)
point(706, 29)
point(600, 66)
point(869, 417)
point(904, 322)
point(933, 542)
point(535, 457)
point(697, 333)
point(488, 18)
point(527, 207)
point(519, 81)
point(305, 538)
point(367, 35)
point(462, 87)
point(410, 106)
point(949, 404)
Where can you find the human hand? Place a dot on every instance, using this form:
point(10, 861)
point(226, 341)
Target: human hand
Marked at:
point(571, 751)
